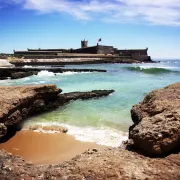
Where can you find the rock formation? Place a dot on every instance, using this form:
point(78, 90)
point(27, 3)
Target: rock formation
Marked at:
point(18, 102)
point(156, 128)
point(113, 164)
point(155, 131)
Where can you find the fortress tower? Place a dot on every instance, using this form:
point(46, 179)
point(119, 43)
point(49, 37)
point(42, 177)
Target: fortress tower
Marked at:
point(84, 44)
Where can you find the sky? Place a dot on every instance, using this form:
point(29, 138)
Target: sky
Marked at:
point(124, 24)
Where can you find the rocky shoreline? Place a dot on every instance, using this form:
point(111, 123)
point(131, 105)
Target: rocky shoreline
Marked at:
point(156, 133)
point(76, 61)
point(18, 102)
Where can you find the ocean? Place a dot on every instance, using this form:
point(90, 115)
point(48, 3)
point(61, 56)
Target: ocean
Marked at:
point(104, 120)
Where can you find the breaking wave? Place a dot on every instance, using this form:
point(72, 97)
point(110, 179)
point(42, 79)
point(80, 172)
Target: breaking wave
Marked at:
point(45, 73)
point(71, 73)
point(103, 135)
point(150, 70)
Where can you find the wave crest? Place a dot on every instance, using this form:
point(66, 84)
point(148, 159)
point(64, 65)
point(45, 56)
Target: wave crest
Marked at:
point(151, 70)
point(103, 135)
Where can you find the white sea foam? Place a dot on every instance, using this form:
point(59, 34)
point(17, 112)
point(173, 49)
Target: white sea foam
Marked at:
point(26, 79)
point(39, 82)
point(155, 66)
point(103, 135)
point(26, 66)
point(45, 73)
point(71, 73)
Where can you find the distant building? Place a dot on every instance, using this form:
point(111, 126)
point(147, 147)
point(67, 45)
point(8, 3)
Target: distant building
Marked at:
point(84, 44)
point(138, 54)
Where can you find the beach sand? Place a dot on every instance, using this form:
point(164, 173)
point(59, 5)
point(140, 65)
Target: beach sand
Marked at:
point(44, 148)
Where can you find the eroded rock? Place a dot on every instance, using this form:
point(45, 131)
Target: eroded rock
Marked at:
point(156, 128)
point(109, 163)
point(18, 102)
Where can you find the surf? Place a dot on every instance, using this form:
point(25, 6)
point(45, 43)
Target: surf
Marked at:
point(150, 70)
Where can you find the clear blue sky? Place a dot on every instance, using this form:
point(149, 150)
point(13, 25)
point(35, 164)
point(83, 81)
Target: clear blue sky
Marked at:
point(64, 23)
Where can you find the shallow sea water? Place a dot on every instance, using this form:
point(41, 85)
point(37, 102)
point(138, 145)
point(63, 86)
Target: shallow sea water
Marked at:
point(103, 120)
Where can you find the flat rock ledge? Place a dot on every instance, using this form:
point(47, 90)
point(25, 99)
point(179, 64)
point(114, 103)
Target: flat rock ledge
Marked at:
point(156, 129)
point(18, 102)
point(104, 164)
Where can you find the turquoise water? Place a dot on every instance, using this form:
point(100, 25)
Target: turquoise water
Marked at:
point(131, 83)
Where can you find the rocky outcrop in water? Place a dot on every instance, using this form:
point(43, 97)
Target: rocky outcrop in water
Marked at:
point(94, 164)
point(18, 102)
point(66, 97)
point(19, 72)
point(156, 129)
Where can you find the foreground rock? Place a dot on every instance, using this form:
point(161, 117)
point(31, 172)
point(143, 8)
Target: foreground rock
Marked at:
point(19, 72)
point(18, 102)
point(156, 128)
point(94, 164)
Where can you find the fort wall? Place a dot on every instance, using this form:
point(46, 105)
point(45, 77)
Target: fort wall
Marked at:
point(88, 50)
point(57, 50)
point(105, 49)
point(130, 52)
point(137, 54)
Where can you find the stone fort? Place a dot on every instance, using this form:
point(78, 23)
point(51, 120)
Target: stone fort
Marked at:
point(139, 54)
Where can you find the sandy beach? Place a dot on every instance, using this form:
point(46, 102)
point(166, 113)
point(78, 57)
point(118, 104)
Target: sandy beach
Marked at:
point(44, 148)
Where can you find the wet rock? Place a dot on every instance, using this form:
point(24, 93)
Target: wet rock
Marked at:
point(19, 72)
point(156, 128)
point(18, 75)
point(66, 97)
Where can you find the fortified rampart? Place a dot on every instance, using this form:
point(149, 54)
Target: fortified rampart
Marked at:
point(129, 52)
point(57, 50)
point(87, 50)
point(137, 54)
point(105, 49)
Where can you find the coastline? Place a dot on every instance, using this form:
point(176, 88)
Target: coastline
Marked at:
point(133, 160)
point(74, 61)
point(45, 148)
